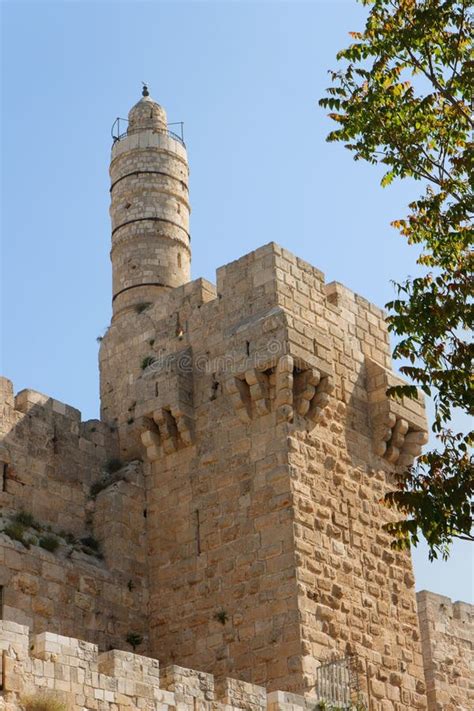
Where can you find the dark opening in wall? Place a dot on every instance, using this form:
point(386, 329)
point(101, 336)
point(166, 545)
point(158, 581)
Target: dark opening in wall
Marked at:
point(3, 476)
point(214, 387)
point(198, 532)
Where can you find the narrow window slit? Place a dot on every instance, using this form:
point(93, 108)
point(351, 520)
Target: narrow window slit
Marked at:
point(4, 476)
point(198, 533)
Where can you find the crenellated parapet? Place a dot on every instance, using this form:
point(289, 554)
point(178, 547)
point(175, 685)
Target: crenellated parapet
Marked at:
point(72, 528)
point(50, 457)
point(73, 672)
point(267, 354)
point(447, 634)
point(263, 402)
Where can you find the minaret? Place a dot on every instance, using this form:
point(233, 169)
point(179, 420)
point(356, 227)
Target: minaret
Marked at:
point(149, 208)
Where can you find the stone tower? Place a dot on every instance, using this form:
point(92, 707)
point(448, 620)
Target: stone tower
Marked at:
point(149, 209)
point(225, 513)
point(151, 251)
point(259, 408)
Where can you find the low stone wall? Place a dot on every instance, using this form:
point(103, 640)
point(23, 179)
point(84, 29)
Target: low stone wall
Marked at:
point(447, 639)
point(73, 672)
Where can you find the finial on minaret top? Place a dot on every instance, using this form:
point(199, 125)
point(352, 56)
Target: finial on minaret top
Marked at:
point(146, 114)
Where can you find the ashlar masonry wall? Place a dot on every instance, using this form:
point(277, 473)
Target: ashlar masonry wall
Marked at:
point(241, 534)
point(447, 640)
point(72, 672)
point(94, 583)
point(354, 592)
point(270, 440)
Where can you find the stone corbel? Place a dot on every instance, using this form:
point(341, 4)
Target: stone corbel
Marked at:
point(320, 401)
point(249, 393)
point(258, 383)
point(306, 383)
point(238, 391)
point(168, 430)
point(184, 426)
point(170, 413)
point(399, 428)
point(282, 387)
point(150, 438)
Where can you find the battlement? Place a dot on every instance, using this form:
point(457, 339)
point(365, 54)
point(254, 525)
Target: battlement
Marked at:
point(272, 276)
point(445, 608)
point(50, 411)
point(48, 454)
point(267, 303)
point(72, 671)
point(244, 401)
point(27, 400)
point(447, 642)
point(226, 412)
point(72, 539)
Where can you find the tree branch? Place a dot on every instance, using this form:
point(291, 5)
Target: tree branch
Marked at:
point(431, 76)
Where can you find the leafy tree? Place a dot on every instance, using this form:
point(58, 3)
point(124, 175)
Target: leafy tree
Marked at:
point(403, 98)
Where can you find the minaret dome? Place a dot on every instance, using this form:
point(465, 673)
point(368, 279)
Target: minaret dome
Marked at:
point(147, 113)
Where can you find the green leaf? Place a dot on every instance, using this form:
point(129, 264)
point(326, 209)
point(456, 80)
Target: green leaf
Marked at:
point(422, 130)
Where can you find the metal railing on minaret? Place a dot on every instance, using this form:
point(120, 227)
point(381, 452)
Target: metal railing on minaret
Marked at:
point(119, 131)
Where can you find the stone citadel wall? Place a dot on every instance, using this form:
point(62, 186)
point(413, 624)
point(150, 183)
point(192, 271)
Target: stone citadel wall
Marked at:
point(269, 441)
point(72, 672)
point(241, 534)
point(225, 513)
point(66, 670)
point(94, 583)
point(447, 639)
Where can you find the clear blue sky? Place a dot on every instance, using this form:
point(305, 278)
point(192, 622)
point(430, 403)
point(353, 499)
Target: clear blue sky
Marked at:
point(245, 78)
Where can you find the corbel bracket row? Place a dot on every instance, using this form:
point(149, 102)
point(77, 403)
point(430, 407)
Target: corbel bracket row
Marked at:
point(283, 387)
point(396, 441)
point(166, 431)
point(399, 427)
